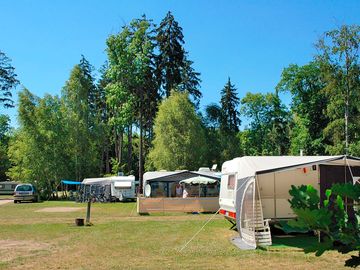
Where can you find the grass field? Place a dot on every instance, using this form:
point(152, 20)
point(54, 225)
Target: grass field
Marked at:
point(34, 236)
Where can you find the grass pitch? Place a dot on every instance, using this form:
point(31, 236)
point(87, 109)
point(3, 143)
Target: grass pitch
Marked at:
point(31, 238)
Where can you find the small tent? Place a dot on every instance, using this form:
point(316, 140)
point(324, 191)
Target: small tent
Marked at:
point(255, 189)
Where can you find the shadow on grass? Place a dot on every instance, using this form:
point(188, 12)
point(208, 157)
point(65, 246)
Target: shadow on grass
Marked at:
point(302, 241)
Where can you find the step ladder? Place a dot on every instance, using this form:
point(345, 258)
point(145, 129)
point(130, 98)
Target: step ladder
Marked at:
point(262, 228)
point(260, 225)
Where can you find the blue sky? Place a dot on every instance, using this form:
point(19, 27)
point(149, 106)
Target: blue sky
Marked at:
point(250, 41)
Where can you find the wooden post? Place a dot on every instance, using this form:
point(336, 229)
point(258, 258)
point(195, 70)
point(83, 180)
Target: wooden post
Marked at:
point(88, 211)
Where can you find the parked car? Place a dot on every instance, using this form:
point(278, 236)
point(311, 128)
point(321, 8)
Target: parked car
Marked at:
point(25, 192)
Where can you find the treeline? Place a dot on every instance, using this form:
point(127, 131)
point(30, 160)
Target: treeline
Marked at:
point(141, 111)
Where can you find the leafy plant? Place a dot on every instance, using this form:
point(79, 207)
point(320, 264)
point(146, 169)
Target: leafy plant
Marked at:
point(337, 223)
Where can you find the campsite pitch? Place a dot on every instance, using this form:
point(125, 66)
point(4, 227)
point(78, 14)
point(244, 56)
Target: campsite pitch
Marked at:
point(120, 239)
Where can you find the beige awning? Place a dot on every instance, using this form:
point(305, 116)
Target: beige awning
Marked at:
point(198, 180)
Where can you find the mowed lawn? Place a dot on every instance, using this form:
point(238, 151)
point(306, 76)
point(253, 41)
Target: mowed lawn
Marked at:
point(40, 236)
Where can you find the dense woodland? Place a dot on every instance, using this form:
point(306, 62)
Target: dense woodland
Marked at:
point(140, 111)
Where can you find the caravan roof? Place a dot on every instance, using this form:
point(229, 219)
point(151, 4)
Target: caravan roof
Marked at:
point(107, 180)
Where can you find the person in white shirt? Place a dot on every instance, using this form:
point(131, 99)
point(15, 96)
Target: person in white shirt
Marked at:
point(185, 193)
point(178, 190)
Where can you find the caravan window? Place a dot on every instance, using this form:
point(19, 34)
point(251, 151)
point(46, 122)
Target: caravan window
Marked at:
point(231, 181)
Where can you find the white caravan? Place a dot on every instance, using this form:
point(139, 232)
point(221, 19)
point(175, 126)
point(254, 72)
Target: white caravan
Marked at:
point(255, 190)
point(121, 187)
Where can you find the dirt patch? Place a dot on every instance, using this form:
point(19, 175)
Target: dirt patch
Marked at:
point(5, 201)
point(11, 249)
point(59, 209)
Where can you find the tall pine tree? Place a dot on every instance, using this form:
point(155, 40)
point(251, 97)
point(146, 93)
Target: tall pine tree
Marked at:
point(229, 102)
point(174, 70)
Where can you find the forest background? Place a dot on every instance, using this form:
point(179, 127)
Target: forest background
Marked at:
point(140, 110)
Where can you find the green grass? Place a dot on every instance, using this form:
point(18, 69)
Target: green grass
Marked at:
point(120, 239)
point(294, 241)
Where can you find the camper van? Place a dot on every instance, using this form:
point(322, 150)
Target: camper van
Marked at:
point(121, 188)
point(7, 187)
point(255, 190)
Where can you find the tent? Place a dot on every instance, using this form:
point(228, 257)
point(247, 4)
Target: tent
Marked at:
point(254, 190)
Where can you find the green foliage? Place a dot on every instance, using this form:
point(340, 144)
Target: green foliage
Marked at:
point(81, 121)
point(308, 107)
point(223, 123)
point(268, 130)
point(39, 149)
point(304, 197)
point(338, 224)
point(174, 70)
point(340, 69)
point(58, 137)
point(179, 136)
point(132, 92)
point(8, 81)
point(5, 135)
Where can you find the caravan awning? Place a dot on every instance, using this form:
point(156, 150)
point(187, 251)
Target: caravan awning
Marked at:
point(198, 180)
point(70, 182)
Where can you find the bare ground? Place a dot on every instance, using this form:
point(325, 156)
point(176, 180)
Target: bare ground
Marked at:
point(11, 249)
point(59, 209)
point(5, 201)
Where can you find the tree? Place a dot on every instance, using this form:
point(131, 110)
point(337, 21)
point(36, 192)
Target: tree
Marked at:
point(339, 228)
point(230, 120)
point(308, 107)
point(4, 144)
point(80, 121)
point(190, 80)
point(213, 116)
point(102, 116)
point(223, 125)
point(133, 88)
point(179, 136)
point(8, 81)
point(174, 70)
point(339, 62)
point(39, 150)
point(268, 121)
point(119, 96)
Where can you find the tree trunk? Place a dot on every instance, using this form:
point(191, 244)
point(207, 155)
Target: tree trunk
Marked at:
point(120, 144)
point(129, 148)
point(107, 159)
point(118, 147)
point(141, 149)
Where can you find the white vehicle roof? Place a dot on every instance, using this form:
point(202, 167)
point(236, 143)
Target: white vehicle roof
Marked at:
point(107, 180)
